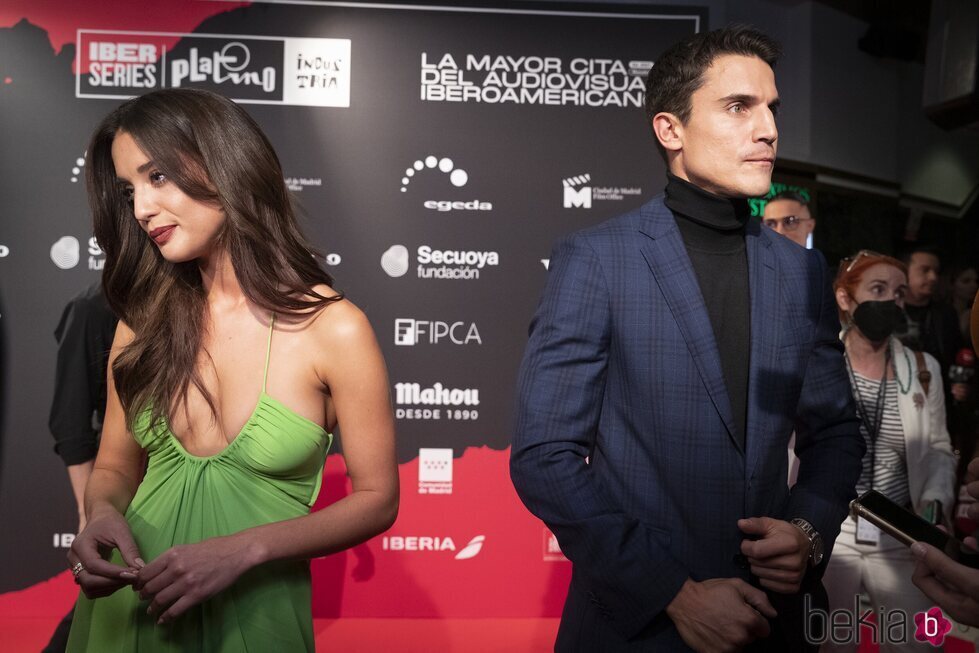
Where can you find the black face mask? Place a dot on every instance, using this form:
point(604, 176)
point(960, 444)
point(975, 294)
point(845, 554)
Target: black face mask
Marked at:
point(878, 320)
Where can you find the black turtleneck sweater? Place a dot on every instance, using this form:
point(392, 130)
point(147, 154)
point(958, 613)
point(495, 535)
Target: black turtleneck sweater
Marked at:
point(713, 230)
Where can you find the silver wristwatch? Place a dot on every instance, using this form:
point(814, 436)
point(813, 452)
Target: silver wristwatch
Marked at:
point(815, 540)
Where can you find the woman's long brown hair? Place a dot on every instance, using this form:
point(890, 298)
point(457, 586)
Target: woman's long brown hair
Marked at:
point(214, 152)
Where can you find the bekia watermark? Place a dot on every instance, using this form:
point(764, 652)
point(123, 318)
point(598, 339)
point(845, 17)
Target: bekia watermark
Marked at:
point(883, 626)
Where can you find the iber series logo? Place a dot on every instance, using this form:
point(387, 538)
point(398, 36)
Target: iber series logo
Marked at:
point(250, 69)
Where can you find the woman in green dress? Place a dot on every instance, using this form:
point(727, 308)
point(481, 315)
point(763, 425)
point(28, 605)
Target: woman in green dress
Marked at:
point(233, 362)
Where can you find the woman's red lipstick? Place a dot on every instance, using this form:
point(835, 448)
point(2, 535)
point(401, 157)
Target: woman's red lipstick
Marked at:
point(161, 235)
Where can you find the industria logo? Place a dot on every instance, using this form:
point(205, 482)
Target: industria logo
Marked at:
point(580, 192)
point(456, 176)
point(245, 68)
point(438, 263)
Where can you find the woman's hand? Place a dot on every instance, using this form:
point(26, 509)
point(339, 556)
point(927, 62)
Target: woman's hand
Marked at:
point(189, 574)
point(106, 530)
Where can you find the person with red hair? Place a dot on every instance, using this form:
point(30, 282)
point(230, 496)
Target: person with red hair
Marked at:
point(909, 457)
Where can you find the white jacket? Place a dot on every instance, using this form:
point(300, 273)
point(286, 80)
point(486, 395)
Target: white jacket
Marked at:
point(931, 462)
point(930, 459)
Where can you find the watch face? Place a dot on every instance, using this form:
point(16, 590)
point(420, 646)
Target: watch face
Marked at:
point(817, 551)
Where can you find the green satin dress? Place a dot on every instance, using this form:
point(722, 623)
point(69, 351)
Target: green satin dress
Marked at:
point(270, 472)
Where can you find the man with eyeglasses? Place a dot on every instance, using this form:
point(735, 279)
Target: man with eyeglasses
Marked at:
point(788, 214)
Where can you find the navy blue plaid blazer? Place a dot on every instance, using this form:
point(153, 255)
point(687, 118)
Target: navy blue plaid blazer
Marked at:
point(624, 442)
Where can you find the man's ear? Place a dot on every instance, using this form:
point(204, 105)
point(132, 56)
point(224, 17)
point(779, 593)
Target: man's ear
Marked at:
point(669, 131)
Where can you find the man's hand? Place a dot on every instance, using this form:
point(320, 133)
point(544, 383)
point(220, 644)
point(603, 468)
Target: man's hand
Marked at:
point(780, 555)
point(721, 615)
point(954, 587)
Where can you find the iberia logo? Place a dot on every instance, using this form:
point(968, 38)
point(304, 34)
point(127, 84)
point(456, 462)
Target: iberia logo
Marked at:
point(931, 627)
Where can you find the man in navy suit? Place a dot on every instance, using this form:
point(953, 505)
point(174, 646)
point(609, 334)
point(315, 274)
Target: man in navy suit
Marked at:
point(675, 350)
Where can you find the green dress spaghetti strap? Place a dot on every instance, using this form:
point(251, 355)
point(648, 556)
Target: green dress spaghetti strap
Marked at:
point(270, 472)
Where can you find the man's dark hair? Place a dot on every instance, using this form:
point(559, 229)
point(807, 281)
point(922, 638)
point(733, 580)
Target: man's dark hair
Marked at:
point(680, 70)
point(919, 248)
point(793, 195)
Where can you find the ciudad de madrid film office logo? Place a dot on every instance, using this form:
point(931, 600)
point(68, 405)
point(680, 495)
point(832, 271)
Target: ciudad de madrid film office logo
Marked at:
point(245, 68)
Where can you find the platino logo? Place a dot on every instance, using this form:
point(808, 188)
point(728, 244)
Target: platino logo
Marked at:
point(333, 259)
point(410, 332)
point(546, 262)
point(434, 471)
point(4, 251)
point(65, 252)
point(265, 70)
point(576, 193)
point(432, 544)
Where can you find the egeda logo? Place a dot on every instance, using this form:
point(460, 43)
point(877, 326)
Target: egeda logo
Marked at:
point(457, 177)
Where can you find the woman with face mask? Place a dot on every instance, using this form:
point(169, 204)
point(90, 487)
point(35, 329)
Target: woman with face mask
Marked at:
point(909, 459)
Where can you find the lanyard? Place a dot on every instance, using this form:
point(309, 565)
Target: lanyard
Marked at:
point(872, 427)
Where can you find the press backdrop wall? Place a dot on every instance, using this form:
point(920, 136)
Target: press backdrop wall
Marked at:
point(436, 153)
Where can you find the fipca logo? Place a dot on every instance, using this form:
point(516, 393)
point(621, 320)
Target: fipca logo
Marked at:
point(432, 544)
point(435, 402)
point(457, 177)
point(438, 263)
point(579, 192)
point(250, 69)
point(434, 471)
point(409, 332)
